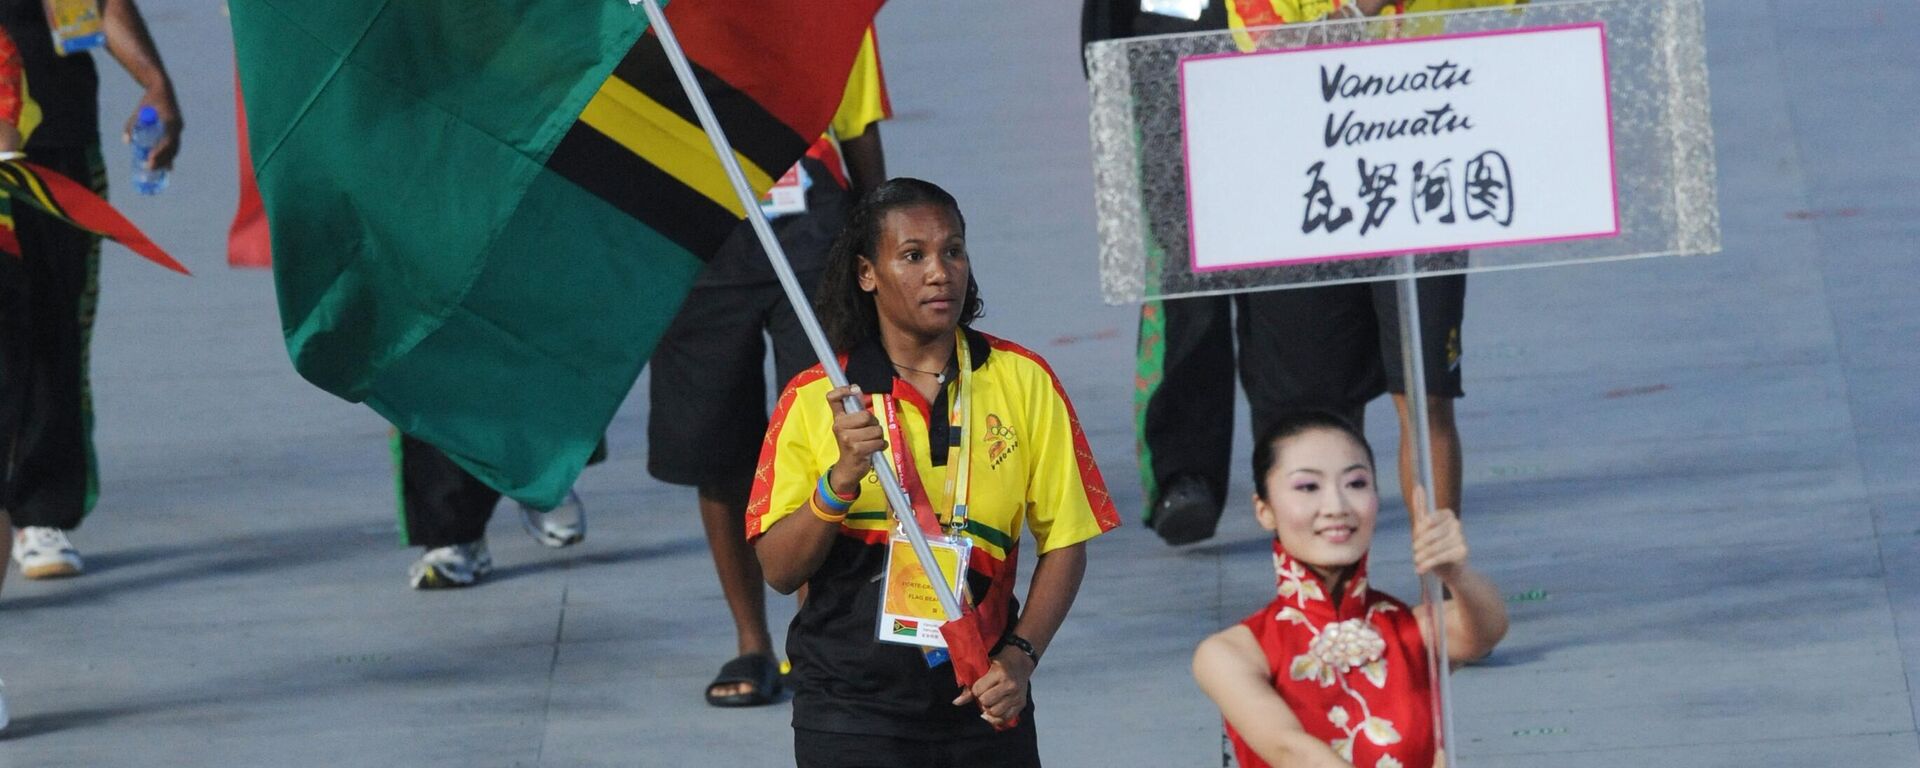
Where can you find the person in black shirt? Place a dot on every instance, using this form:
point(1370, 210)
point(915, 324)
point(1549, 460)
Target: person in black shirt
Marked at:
point(47, 297)
point(1326, 347)
point(986, 446)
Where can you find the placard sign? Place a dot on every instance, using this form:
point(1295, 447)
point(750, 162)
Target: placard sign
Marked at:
point(1398, 146)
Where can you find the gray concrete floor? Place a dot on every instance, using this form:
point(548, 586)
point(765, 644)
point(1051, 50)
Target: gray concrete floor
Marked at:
point(1693, 474)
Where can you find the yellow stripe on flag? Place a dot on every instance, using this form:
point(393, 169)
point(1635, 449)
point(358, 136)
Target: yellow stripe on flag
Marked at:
point(637, 122)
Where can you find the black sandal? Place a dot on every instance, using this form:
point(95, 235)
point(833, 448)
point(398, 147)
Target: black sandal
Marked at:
point(760, 670)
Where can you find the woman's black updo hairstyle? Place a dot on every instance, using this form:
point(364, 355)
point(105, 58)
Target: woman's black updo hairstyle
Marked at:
point(845, 311)
point(1266, 449)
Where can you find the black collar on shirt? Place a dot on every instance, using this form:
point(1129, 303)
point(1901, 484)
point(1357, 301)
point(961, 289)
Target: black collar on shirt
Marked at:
point(869, 368)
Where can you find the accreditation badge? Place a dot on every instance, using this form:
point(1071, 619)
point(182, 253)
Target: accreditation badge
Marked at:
point(788, 195)
point(910, 611)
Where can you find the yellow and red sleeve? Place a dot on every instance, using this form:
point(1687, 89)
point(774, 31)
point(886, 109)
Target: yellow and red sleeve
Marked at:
point(1067, 499)
point(790, 463)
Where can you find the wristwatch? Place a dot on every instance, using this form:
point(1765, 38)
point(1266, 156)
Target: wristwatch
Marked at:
point(1022, 644)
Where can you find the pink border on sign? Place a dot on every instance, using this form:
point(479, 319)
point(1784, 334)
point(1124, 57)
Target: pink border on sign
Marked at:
point(1613, 168)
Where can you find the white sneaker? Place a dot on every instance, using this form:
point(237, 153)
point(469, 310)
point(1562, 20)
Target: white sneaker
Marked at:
point(45, 553)
point(461, 565)
point(562, 526)
point(4, 719)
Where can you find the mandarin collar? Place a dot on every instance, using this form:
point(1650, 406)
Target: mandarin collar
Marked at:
point(1303, 587)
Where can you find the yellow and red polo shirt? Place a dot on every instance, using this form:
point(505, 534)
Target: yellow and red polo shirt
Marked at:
point(1033, 474)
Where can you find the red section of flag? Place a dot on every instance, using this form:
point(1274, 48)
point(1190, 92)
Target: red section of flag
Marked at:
point(756, 48)
point(968, 650)
point(248, 244)
point(58, 195)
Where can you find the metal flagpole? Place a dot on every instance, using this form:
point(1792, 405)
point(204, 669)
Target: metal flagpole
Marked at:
point(889, 482)
point(1432, 592)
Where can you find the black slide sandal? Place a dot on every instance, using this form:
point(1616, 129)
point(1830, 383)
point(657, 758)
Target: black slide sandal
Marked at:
point(759, 670)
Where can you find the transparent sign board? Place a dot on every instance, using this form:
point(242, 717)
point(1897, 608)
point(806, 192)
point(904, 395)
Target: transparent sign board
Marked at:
point(1542, 134)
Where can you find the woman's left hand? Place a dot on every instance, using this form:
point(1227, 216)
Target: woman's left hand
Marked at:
point(1002, 692)
point(1439, 543)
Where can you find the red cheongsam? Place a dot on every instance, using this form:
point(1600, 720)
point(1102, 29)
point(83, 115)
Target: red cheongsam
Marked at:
point(1355, 673)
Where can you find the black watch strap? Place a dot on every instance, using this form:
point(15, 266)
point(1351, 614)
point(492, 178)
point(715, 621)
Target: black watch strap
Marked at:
point(1022, 644)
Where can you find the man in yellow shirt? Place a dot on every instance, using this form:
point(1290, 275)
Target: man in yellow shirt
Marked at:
point(708, 392)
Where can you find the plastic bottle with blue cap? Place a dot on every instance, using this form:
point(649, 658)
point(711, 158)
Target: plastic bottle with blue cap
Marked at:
point(147, 132)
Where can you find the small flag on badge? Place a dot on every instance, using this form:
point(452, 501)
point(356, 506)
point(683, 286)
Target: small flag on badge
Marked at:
point(906, 628)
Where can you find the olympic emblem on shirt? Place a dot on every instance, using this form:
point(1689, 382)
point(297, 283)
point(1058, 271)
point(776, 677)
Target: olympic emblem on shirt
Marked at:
point(1001, 441)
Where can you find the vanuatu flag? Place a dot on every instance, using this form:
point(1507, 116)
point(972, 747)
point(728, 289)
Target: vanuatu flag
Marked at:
point(23, 183)
point(484, 214)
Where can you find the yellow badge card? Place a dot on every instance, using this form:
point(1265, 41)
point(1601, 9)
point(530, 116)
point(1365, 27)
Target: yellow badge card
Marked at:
point(909, 609)
point(76, 24)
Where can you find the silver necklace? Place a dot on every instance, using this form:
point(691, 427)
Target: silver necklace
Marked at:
point(939, 377)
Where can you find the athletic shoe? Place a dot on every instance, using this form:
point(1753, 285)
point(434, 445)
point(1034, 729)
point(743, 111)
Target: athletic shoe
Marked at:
point(45, 553)
point(4, 720)
point(1187, 512)
point(562, 526)
point(461, 565)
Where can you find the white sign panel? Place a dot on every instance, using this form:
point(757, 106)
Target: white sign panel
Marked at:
point(1399, 146)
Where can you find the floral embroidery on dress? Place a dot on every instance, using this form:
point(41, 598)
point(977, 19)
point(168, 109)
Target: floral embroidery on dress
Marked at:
point(1347, 644)
point(1344, 640)
point(1294, 582)
point(1351, 664)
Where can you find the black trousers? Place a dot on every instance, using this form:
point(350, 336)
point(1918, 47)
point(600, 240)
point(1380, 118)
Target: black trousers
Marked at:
point(441, 504)
point(1183, 398)
point(1330, 347)
point(47, 300)
point(1017, 748)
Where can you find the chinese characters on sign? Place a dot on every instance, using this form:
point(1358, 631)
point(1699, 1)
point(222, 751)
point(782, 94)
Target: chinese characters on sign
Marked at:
point(1485, 192)
point(1398, 146)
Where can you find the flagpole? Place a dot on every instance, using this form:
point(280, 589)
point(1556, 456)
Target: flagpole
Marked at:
point(1432, 591)
point(716, 135)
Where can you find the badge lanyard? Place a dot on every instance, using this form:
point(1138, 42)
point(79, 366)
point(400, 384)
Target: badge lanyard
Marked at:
point(901, 620)
point(959, 484)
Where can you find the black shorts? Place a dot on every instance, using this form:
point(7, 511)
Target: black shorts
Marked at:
point(709, 392)
point(1338, 347)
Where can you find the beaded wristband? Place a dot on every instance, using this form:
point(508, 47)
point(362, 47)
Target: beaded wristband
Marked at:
point(834, 501)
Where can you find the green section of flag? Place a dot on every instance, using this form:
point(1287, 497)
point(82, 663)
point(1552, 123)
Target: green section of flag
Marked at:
point(427, 261)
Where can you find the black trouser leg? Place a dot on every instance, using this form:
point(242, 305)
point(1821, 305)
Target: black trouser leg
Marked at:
point(440, 504)
point(1309, 348)
point(47, 299)
point(1183, 403)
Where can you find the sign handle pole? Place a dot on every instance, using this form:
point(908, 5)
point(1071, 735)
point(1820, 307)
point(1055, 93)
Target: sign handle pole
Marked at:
point(889, 482)
point(1432, 592)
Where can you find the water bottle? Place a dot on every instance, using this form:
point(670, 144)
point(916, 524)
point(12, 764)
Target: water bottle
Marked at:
point(147, 131)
